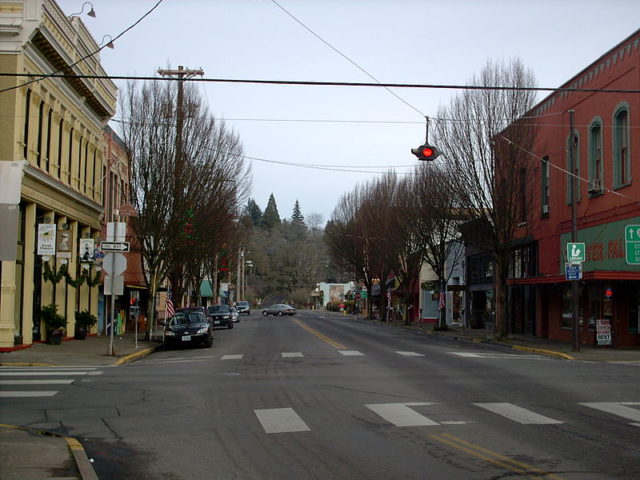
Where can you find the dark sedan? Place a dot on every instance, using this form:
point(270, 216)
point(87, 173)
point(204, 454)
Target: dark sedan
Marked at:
point(220, 316)
point(279, 309)
point(188, 328)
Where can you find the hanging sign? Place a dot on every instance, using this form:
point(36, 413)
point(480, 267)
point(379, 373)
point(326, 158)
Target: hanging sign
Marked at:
point(47, 239)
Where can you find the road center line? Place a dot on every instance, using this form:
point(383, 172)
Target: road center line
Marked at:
point(493, 457)
point(321, 336)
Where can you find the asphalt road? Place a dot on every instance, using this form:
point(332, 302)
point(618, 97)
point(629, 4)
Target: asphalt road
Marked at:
point(329, 397)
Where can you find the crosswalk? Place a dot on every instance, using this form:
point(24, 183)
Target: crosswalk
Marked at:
point(411, 414)
point(296, 355)
point(32, 382)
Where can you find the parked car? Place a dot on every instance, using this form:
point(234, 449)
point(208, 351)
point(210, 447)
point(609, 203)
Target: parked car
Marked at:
point(220, 315)
point(243, 307)
point(234, 314)
point(201, 310)
point(279, 309)
point(188, 328)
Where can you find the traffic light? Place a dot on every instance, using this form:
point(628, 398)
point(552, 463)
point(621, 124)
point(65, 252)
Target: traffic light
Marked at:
point(426, 152)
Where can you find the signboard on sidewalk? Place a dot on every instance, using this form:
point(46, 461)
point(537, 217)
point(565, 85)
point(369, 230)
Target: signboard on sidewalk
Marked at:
point(603, 331)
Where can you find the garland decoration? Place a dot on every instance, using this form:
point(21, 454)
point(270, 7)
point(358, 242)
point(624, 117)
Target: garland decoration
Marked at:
point(92, 282)
point(55, 276)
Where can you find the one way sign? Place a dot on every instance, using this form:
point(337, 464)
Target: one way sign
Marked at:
point(114, 246)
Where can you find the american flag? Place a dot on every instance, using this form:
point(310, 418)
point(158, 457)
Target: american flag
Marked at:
point(441, 303)
point(170, 310)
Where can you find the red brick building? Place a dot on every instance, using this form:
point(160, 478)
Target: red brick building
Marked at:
point(605, 144)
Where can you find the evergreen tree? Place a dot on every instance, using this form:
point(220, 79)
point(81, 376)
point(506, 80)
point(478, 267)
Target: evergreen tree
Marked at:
point(270, 217)
point(252, 210)
point(297, 218)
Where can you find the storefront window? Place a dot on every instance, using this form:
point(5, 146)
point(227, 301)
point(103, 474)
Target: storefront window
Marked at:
point(567, 307)
point(634, 312)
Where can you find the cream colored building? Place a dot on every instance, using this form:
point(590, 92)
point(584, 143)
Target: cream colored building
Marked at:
point(56, 125)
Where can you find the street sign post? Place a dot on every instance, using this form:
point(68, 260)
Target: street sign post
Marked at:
point(573, 272)
point(576, 252)
point(114, 246)
point(632, 244)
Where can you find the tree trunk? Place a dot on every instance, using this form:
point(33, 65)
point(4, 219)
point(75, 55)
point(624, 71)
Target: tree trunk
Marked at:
point(501, 298)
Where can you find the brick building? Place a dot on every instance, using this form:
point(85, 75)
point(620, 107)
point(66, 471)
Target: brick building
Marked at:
point(605, 145)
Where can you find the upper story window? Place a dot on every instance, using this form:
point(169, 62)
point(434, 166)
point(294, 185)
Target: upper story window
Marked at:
point(573, 167)
point(595, 158)
point(621, 154)
point(544, 181)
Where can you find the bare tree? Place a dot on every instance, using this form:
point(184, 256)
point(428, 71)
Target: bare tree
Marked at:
point(184, 206)
point(485, 144)
point(434, 218)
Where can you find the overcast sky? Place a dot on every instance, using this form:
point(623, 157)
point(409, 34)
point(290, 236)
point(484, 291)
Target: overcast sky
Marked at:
point(395, 41)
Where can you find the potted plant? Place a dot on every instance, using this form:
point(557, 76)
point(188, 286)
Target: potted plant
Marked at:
point(84, 322)
point(54, 323)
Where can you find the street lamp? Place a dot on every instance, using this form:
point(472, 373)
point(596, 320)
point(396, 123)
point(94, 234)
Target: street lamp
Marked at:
point(91, 13)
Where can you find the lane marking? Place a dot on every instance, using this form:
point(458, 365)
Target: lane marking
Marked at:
point(319, 335)
point(232, 357)
point(518, 414)
point(36, 382)
point(46, 374)
point(498, 355)
point(351, 353)
point(620, 409)
point(400, 415)
point(492, 457)
point(281, 420)
point(23, 394)
point(292, 355)
point(411, 354)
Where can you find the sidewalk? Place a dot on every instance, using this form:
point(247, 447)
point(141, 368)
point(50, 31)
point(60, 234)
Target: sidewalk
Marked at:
point(89, 353)
point(59, 457)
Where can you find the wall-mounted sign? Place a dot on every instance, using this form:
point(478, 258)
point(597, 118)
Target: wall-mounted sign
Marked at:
point(47, 239)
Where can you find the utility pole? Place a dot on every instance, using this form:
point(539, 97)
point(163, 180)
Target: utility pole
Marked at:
point(575, 318)
point(181, 74)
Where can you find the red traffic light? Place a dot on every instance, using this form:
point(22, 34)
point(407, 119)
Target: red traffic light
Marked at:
point(425, 152)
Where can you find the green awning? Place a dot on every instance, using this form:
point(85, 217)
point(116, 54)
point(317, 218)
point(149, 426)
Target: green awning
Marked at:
point(205, 289)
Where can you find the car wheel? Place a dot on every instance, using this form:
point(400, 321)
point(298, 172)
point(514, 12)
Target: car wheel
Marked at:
point(230, 326)
point(279, 314)
point(264, 314)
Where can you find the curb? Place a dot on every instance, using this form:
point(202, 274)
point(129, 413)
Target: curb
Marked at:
point(137, 355)
point(85, 468)
point(551, 353)
point(26, 364)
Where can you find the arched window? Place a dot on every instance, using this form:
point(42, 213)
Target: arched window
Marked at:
point(621, 154)
point(595, 158)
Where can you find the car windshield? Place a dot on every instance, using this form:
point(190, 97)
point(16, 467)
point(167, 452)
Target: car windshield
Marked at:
point(186, 319)
point(242, 304)
point(218, 309)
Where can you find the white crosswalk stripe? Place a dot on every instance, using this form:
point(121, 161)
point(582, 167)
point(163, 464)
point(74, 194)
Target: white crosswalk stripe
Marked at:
point(400, 415)
point(232, 357)
point(510, 356)
point(620, 409)
point(351, 353)
point(410, 354)
point(281, 420)
point(292, 355)
point(26, 377)
point(518, 414)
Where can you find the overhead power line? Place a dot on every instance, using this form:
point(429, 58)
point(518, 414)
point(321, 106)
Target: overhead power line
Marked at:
point(329, 84)
point(89, 55)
